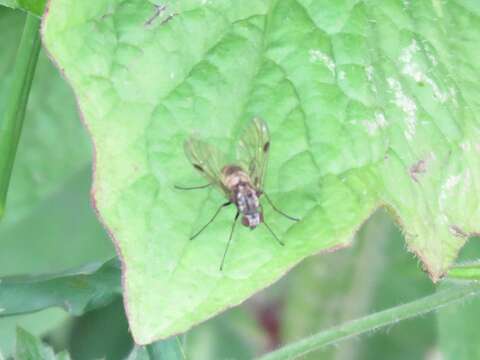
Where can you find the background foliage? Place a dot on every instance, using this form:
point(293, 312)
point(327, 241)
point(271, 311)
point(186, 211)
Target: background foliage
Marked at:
point(50, 227)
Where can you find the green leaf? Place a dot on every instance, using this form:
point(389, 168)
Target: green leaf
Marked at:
point(368, 105)
point(30, 347)
point(77, 291)
point(33, 6)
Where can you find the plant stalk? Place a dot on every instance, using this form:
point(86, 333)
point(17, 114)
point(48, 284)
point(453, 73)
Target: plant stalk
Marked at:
point(375, 321)
point(12, 121)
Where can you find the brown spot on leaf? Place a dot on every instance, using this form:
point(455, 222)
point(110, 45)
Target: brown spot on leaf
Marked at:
point(266, 146)
point(418, 168)
point(458, 232)
point(198, 167)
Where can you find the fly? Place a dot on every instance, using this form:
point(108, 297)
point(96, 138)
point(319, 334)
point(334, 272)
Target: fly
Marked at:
point(241, 183)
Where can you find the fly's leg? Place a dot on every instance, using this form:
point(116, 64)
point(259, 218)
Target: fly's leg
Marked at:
point(192, 188)
point(210, 221)
point(229, 240)
point(278, 210)
point(271, 232)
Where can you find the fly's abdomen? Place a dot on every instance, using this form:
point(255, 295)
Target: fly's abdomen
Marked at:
point(249, 205)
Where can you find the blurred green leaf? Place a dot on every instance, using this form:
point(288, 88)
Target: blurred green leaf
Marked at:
point(49, 225)
point(369, 104)
point(458, 330)
point(30, 347)
point(77, 291)
point(170, 349)
point(328, 290)
point(375, 321)
point(33, 6)
point(101, 334)
point(233, 335)
point(48, 214)
point(13, 113)
point(376, 273)
point(139, 353)
point(51, 124)
point(458, 326)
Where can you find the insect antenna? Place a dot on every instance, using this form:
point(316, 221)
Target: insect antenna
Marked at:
point(229, 240)
point(191, 188)
point(275, 236)
point(278, 210)
point(210, 221)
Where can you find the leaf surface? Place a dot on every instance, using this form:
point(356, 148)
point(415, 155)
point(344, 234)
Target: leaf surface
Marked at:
point(369, 103)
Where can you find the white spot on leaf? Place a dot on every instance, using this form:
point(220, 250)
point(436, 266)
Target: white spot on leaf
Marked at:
point(407, 105)
point(369, 72)
point(372, 126)
point(465, 146)
point(447, 186)
point(412, 69)
point(452, 181)
point(316, 55)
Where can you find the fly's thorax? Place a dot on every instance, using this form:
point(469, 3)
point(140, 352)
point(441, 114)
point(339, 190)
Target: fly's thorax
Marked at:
point(233, 176)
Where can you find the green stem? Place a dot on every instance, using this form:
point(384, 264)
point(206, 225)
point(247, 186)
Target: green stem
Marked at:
point(468, 271)
point(11, 124)
point(375, 321)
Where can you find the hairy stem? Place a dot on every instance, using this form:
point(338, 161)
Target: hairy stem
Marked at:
point(14, 112)
point(375, 321)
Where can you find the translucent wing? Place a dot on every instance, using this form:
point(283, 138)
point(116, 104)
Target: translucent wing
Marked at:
point(207, 159)
point(253, 149)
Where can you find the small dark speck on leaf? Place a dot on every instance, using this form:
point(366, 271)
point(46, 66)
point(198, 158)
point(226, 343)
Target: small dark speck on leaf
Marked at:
point(458, 232)
point(168, 18)
point(158, 9)
point(104, 16)
point(266, 146)
point(418, 168)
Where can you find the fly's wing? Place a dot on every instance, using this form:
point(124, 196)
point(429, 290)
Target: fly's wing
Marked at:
point(207, 159)
point(253, 150)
